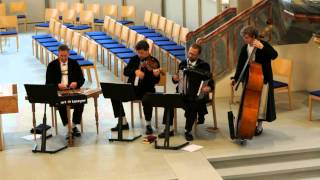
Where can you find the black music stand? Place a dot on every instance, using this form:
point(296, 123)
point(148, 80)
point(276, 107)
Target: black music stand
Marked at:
point(168, 101)
point(44, 94)
point(121, 93)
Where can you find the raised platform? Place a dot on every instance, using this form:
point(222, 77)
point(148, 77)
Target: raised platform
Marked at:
point(93, 156)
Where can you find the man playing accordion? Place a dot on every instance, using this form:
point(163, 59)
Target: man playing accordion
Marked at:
point(194, 105)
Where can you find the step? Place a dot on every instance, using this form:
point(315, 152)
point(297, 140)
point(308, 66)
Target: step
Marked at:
point(191, 166)
point(227, 157)
point(267, 164)
point(305, 175)
point(269, 169)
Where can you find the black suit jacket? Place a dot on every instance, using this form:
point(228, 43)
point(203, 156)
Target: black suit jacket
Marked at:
point(53, 75)
point(263, 56)
point(201, 65)
point(149, 81)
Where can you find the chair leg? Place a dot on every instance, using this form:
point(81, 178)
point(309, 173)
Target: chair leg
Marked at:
point(102, 56)
point(55, 120)
point(132, 115)
point(81, 124)
point(17, 40)
point(195, 126)
point(47, 58)
point(289, 96)
point(169, 63)
point(32, 47)
point(89, 75)
point(156, 117)
point(1, 136)
point(231, 95)
point(310, 108)
point(0, 44)
point(52, 117)
point(115, 64)
point(175, 126)
point(140, 110)
point(25, 25)
point(109, 61)
point(160, 57)
point(121, 71)
point(215, 124)
point(97, 76)
point(41, 55)
point(36, 50)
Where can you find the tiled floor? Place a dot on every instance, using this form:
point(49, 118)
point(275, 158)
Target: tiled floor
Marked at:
point(93, 157)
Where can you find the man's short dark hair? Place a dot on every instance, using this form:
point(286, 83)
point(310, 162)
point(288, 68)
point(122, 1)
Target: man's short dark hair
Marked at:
point(250, 31)
point(197, 46)
point(63, 47)
point(142, 45)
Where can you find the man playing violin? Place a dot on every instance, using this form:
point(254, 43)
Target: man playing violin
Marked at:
point(263, 55)
point(143, 71)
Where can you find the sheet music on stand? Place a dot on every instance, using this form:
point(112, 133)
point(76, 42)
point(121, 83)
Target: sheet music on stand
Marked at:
point(192, 81)
point(200, 93)
point(182, 82)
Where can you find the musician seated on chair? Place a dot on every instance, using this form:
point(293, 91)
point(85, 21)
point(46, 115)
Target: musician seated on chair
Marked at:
point(193, 107)
point(144, 77)
point(66, 74)
point(264, 54)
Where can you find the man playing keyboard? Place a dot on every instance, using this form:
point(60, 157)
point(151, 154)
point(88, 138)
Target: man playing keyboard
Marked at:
point(66, 74)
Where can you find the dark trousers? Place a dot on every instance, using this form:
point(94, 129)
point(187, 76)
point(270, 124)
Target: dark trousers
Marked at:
point(77, 114)
point(118, 107)
point(192, 109)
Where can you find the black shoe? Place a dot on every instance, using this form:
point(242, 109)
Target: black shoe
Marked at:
point(149, 130)
point(200, 119)
point(188, 136)
point(258, 131)
point(124, 127)
point(76, 132)
point(163, 134)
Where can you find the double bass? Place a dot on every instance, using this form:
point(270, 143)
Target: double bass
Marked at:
point(250, 101)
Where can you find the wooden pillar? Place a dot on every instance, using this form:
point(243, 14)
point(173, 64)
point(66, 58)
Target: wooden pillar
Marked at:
point(184, 20)
point(199, 13)
point(243, 5)
point(163, 9)
point(46, 3)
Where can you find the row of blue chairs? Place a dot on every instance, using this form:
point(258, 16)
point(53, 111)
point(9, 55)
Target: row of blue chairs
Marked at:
point(49, 43)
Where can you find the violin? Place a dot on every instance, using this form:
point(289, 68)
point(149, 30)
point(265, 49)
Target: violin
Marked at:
point(151, 64)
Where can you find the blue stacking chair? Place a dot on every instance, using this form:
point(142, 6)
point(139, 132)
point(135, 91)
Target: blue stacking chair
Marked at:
point(86, 22)
point(138, 27)
point(35, 38)
point(49, 14)
point(10, 24)
point(127, 12)
point(314, 95)
point(146, 20)
point(282, 68)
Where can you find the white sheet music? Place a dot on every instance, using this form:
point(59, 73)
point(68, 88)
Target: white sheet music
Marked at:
point(181, 84)
point(192, 148)
point(31, 137)
point(200, 93)
point(136, 81)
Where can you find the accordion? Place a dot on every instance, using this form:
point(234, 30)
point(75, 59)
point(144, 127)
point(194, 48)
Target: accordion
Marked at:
point(192, 80)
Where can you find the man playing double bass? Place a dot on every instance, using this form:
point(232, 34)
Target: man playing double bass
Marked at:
point(263, 55)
